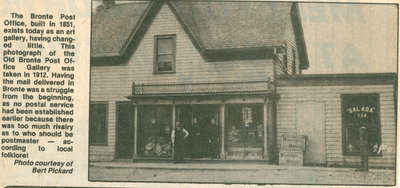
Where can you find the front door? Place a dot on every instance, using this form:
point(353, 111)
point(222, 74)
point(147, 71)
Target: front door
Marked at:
point(125, 132)
point(310, 118)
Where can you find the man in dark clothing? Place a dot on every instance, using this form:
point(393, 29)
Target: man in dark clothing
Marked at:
point(197, 139)
point(213, 139)
point(178, 136)
point(363, 149)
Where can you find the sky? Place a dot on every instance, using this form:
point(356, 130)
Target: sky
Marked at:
point(348, 38)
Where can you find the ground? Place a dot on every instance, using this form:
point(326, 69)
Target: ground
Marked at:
point(236, 173)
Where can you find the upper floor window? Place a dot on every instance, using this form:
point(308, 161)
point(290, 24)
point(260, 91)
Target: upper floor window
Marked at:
point(164, 54)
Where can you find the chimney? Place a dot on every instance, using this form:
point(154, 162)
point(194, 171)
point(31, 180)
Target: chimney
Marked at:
point(108, 3)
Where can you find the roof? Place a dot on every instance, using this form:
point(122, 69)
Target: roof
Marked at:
point(112, 27)
point(230, 25)
point(212, 26)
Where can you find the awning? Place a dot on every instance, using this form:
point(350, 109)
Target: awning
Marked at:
point(201, 89)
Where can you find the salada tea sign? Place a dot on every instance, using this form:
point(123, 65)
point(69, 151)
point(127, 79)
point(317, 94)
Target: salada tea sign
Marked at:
point(360, 110)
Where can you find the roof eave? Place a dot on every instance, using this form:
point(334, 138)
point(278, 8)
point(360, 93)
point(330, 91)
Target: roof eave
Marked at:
point(139, 25)
point(192, 35)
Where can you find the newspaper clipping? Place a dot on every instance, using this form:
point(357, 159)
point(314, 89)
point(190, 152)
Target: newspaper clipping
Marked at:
point(161, 93)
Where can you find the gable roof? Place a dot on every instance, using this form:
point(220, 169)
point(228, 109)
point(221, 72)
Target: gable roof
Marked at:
point(231, 25)
point(112, 27)
point(212, 26)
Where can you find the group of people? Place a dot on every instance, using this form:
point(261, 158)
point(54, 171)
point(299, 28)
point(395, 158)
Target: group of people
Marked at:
point(199, 140)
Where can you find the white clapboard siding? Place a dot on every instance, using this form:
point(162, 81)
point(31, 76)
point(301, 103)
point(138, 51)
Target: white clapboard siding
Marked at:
point(331, 96)
point(114, 83)
point(289, 38)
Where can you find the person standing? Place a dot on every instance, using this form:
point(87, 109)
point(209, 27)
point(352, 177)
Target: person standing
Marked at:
point(178, 136)
point(363, 148)
point(197, 143)
point(213, 139)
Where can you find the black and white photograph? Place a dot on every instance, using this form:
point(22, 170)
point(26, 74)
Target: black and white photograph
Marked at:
point(243, 92)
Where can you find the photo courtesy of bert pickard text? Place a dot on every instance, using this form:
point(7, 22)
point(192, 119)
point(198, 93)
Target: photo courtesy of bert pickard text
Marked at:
point(162, 93)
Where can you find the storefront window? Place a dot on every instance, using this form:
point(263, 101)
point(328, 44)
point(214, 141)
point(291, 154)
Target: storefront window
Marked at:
point(155, 126)
point(360, 110)
point(244, 130)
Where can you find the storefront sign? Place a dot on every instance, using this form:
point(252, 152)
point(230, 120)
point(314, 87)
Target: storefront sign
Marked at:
point(360, 109)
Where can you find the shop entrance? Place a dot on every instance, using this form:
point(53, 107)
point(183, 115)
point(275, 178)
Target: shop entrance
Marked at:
point(197, 120)
point(124, 131)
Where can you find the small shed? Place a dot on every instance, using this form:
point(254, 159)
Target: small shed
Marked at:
point(330, 108)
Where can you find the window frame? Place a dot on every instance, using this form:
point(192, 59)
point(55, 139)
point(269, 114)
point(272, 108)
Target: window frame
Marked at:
point(105, 141)
point(143, 126)
point(155, 60)
point(379, 131)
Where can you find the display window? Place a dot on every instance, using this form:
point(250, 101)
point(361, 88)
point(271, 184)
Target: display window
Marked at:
point(154, 130)
point(360, 110)
point(244, 130)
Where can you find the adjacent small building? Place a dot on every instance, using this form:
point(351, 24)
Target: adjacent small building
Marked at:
point(154, 63)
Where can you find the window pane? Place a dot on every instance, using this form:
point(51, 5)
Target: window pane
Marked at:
point(244, 130)
point(98, 124)
point(165, 58)
point(165, 46)
point(353, 138)
point(155, 126)
point(361, 110)
point(164, 66)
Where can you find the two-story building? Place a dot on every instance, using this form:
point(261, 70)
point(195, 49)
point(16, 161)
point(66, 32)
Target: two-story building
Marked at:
point(154, 63)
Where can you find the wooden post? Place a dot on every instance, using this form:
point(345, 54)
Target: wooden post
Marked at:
point(265, 113)
point(135, 124)
point(173, 127)
point(173, 116)
point(222, 120)
point(271, 125)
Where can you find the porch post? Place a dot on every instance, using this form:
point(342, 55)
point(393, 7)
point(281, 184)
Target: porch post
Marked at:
point(265, 113)
point(173, 126)
point(173, 116)
point(135, 124)
point(222, 117)
point(272, 151)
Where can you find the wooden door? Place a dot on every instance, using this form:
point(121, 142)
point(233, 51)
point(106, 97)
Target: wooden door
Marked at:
point(310, 121)
point(124, 144)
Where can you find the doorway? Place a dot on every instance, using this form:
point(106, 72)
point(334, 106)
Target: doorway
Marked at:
point(196, 119)
point(125, 131)
point(311, 123)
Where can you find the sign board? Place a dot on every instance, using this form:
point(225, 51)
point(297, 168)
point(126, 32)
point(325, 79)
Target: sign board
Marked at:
point(293, 143)
point(291, 158)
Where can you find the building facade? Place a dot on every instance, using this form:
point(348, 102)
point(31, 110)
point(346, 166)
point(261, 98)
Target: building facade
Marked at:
point(156, 63)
